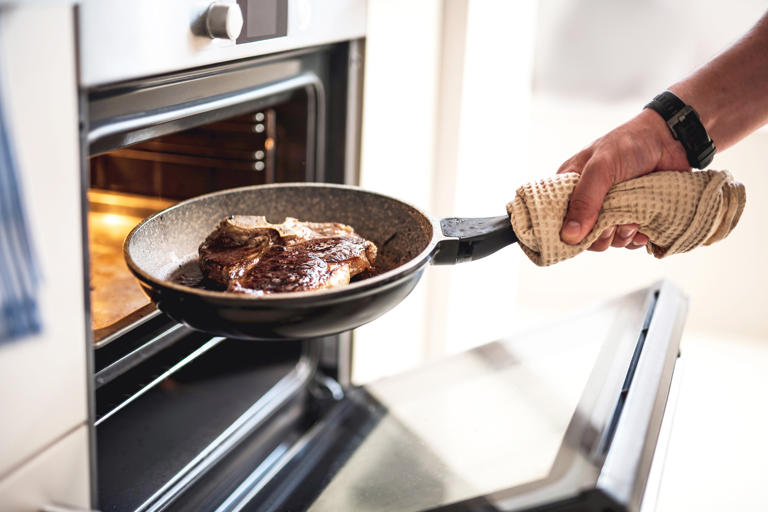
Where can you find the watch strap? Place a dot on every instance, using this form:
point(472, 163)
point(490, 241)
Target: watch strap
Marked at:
point(685, 124)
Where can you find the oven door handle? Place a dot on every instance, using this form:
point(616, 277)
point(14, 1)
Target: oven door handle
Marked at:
point(118, 132)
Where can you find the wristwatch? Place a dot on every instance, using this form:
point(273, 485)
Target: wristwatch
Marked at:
point(685, 125)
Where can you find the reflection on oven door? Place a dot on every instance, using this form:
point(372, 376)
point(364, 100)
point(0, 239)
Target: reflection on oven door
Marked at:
point(521, 423)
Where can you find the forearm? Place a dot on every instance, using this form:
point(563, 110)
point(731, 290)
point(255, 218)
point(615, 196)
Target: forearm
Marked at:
point(730, 93)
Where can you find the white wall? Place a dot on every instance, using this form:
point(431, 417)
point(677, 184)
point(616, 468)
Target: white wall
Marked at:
point(445, 126)
point(402, 56)
point(471, 301)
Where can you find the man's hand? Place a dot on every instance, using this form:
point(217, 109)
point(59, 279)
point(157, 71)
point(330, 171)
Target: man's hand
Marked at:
point(729, 94)
point(642, 145)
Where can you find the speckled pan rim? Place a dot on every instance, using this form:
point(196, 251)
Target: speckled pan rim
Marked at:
point(396, 274)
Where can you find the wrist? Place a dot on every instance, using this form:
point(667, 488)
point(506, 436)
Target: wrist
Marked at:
point(686, 127)
point(669, 151)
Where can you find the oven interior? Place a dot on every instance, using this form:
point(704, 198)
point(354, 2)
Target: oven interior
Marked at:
point(181, 417)
point(132, 183)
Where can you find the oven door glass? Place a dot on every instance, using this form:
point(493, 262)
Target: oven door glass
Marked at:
point(520, 423)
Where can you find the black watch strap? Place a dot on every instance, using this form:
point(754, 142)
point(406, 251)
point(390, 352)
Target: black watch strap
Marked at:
point(685, 125)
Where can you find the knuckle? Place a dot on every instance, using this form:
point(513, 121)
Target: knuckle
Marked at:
point(580, 205)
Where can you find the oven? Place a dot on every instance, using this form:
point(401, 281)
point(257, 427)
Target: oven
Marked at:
point(266, 121)
point(177, 99)
point(182, 419)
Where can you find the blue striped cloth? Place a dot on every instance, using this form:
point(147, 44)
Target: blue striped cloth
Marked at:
point(19, 276)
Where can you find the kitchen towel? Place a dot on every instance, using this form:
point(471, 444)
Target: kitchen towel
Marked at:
point(19, 278)
point(677, 210)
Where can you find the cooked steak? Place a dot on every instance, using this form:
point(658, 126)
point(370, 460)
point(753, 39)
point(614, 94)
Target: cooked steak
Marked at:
point(247, 254)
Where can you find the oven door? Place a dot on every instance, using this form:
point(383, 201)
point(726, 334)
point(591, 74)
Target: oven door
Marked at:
point(565, 417)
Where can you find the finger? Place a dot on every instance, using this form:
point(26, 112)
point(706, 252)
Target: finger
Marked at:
point(640, 240)
point(576, 162)
point(586, 200)
point(605, 240)
point(624, 235)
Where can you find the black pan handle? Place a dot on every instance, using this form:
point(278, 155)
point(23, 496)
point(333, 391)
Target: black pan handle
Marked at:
point(472, 239)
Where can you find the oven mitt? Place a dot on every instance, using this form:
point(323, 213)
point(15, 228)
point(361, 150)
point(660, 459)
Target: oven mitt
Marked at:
point(677, 210)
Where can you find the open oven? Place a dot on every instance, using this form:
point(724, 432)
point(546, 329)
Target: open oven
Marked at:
point(175, 102)
point(565, 417)
point(184, 417)
point(181, 419)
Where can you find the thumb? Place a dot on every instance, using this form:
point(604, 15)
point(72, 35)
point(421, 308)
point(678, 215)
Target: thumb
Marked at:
point(585, 203)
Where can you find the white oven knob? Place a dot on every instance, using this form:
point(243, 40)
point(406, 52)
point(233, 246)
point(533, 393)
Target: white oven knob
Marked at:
point(224, 20)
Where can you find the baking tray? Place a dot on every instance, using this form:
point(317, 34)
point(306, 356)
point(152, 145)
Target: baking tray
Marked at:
point(117, 301)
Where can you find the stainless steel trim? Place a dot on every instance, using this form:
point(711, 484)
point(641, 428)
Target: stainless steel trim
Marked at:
point(149, 125)
point(191, 357)
point(126, 328)
point(595, 411)
point(655, 476)
point(315, 168)
point(255, 479)
point(345, 346)
point(333, 388)
point(251, 486)
point(627, 464)
point(579, 461)
point(140, 354)
point(89, 334)
point(355, 69)
point(154, 93)
point(626, 377)
point(251, 419)
point(125, 40)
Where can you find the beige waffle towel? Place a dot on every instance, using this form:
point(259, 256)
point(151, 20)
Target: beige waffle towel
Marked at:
point(677, 210)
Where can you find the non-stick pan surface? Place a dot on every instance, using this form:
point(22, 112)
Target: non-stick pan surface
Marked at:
point(162, 253)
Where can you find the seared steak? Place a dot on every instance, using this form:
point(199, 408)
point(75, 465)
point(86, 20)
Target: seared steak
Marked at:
point(246, 254)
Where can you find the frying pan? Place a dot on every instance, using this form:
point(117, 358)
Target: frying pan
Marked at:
point(162, 253)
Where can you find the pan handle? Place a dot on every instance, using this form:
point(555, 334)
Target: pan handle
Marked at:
point(472, 239)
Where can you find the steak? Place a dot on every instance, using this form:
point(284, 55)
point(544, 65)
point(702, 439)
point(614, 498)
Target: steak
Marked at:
point(247, 254)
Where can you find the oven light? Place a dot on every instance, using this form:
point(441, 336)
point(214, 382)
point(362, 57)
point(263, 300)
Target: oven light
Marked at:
point(269, 143)
point(111, 219)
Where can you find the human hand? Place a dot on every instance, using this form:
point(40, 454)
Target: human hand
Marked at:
point(642, 145)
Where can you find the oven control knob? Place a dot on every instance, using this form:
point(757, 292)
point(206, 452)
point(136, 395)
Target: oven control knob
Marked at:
point(224, 20)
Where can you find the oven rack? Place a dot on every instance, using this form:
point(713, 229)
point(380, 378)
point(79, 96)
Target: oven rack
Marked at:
point(278, 418)
point(282, 404)
point(140, 354)
point(133, 340)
